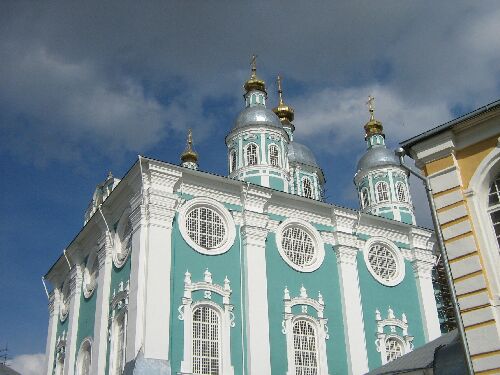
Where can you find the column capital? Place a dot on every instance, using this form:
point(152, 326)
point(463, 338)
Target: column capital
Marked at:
point(346, 254)
point(53, 305)
point(422, 268)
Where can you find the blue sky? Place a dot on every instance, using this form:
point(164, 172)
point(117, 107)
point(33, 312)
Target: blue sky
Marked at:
point(85, 89)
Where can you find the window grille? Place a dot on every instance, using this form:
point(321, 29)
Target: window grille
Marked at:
point(274, 156)
point(494, 206)
point(252, 154)
point(205, 227)
point(305, 348)
point(393, 349)
point(233, 161)
point(365, 199)
point(118, 345)
point(401, 192)
point(383, 262)
point(298, 246)
point(206, 342)
point(306, 188)
point(382, 192)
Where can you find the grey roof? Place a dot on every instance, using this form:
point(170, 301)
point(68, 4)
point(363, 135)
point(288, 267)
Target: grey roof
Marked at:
point(447, 125)
point(299, 153)
point(257, 115)
point(375, 157)
point(444, 353)
point(4, 370)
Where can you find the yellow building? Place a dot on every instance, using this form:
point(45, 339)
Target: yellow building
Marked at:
point(461, 158)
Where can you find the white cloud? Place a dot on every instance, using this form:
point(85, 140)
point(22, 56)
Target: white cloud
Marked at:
point(28, 364)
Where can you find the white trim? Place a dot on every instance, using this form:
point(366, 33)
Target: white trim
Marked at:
point(119, 307)
point(363, 205)
point(230, 232)
point(122, 241)
point(397, 256)
point(387, 191)
point(319, 249)
point(280, 165)
point(90, 275)
point(392, 322)
point(256, 153)
point(87, 341)
point(232, 168)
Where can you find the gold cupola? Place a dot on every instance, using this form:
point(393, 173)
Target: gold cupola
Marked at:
point(373, 126)
point(254, 82)
point(189, 157)
point(283, 111)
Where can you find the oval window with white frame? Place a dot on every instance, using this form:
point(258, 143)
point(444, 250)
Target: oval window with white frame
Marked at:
point(90, 275)
point(123, 241)
point(300, 245)
point(64, 307)
point(384, 261)
point(207, 226)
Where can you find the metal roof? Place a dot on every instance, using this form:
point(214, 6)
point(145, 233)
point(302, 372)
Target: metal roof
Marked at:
point(377, 157)
point(257, 115)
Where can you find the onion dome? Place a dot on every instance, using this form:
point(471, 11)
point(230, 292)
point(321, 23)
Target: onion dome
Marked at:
point(254, 82)
point(377, 157)
point(373, 126)
point(301, 154)
point(189, 155)
point(258, 115)
point(283, 111)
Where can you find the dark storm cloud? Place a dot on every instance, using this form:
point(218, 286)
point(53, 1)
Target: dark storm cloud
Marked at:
point(124, 75)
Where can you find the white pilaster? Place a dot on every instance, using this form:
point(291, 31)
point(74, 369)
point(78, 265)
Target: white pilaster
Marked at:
point(354, 328)
point(75, 291)
point(99, 348)
point(253, 236)
point(52, 331)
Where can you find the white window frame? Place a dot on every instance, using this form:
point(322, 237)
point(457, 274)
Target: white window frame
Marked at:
point(86, 345)
point(227, 219)
point(400, 272)
point(303, 183)
point(60, 353)
point(224, 312)
point(494, 208)
point(401, 190)
point(233, 157)
point(382, 337)
point(385, 191)
point(122, 244)
point(364, 193)
point(319, 324)
point(119, 308)
point(278, 156)
point(319, 249)
point(90, 274)
point(65, 300)
point(256, 154)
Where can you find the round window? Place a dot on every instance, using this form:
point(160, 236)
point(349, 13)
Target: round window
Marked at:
point(207, 226)
point(123, 246)
point(90, 275)
point(64, 309)
point(384, 262)
point(300, 245)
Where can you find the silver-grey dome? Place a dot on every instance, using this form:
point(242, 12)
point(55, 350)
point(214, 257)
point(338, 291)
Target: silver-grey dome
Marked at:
point(299, 153)
point(377, 157)
point(257, 115)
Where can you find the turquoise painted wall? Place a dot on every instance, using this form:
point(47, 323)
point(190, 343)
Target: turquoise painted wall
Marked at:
point(279, 275)
point(276, 183)
point(86, 319)
point(402, 298)
point(227, 264)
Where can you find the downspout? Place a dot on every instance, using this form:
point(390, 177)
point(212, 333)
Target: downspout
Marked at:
point(242, 302)
point(400, 152)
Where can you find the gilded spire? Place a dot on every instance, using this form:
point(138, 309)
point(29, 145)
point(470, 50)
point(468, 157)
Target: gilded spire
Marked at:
point(373, 126)
point(189, 157)
point(283, 111)
point(254, 83)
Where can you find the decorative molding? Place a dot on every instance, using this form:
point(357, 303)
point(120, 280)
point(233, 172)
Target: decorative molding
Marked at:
point(346, 255)
point(394, 250)
point(90, 274)
point(392, 322)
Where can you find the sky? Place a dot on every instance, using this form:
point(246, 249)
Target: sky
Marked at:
point(85, 87)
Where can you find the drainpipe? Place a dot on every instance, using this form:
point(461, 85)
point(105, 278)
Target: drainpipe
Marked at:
point(400, 152)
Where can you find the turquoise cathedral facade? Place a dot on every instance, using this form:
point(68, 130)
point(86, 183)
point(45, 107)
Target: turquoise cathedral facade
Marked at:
point(179, 271)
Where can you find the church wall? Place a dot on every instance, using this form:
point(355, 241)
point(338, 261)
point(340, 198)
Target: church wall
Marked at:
point(279, 276)
point(184, 258)
point(86, 318)
point(402, 298)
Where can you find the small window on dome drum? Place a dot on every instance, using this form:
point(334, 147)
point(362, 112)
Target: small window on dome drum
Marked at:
point(307, 188)
point(252, 154)
point(274, 156)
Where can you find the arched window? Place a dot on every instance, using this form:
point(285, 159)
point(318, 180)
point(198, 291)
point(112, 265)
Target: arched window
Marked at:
point(394, 348)
point(83, 360)
point(401, 192)
point(307, 188)
point(206, 341)
point(232, 158)
point(252, 158)
point(365, 198)
point(305, 348)
point(274, 155)
point(118, 345)
point(382, 192)
point(494, 206)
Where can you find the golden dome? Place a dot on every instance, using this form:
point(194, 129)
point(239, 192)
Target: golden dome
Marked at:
point(283, 111)
point(254, 82)
point(189, 154)
point(373, 126)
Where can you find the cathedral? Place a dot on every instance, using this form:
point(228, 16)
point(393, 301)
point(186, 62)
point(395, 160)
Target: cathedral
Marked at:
point(180, 271)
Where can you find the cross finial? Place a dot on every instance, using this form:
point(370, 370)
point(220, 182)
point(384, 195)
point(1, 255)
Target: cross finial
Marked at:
point(371, 106)
point(253, 64)
point(190, 137)
point(280, 90)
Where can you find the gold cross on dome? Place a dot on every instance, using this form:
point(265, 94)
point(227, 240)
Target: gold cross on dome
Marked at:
point(371, 106)
point(253, 64)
